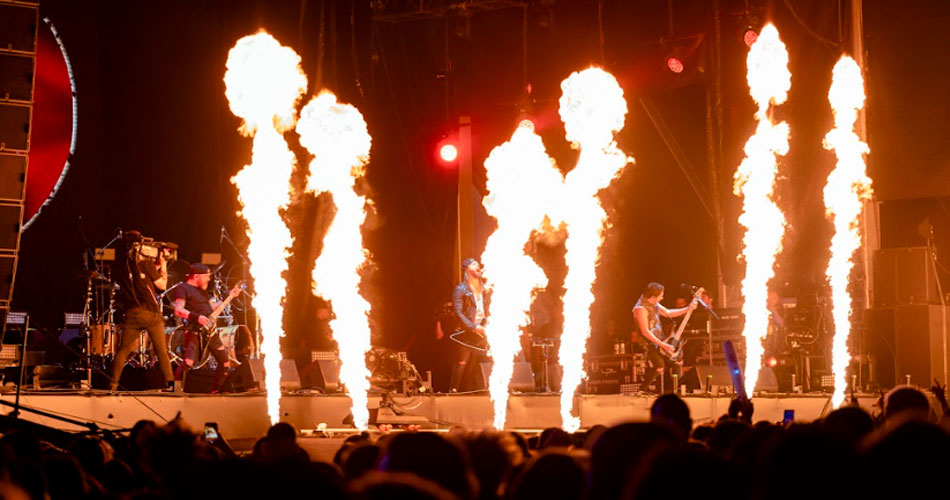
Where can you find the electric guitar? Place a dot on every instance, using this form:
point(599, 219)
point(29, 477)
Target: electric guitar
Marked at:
point(675, 339)
point(213, 318)
point(471, 339)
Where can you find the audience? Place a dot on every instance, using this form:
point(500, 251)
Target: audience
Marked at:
point(846, 454)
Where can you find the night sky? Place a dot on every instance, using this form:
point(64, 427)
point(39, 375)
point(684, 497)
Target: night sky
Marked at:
point(157, 143)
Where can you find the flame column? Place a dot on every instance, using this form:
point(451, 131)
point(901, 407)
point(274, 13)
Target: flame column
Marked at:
point(769, 81)
point(263, 83)
point(847, 187)
point(592, 108)
point(521, 181)
point(337, 136)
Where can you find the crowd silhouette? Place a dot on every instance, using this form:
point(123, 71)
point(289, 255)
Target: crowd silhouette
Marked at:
point(901, 450)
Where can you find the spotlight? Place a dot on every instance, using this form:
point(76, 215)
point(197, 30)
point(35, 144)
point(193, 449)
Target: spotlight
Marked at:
point(448, 152)
point(526, 119)
point(674, 64)
point(682, 51)
point(772, 362)
point(526, 116)
point(750, 36)
point(749, 22)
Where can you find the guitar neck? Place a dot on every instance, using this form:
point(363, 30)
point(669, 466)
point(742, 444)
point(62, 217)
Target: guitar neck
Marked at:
point(689, 312)
point(682, 327)
point(218, 310)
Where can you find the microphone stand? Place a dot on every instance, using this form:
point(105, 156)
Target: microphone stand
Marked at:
point(714, 315)
point(694, 289)
point(85, 325)
point(244, 269)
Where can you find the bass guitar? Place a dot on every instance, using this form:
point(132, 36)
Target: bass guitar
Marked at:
point(675, 339)
point(213, 318)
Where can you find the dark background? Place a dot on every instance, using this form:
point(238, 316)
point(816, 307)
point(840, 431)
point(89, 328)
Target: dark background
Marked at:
point(157, 143)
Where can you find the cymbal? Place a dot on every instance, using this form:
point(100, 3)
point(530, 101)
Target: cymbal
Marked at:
point(177, 271)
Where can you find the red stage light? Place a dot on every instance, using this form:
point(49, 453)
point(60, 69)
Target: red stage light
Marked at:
point(772, 362)
point(448, 152)
point(749, 37)
point(675, 65)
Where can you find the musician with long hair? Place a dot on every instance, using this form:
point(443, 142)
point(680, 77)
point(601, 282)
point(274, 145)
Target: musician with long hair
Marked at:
point(646, 314)
point(470, 302)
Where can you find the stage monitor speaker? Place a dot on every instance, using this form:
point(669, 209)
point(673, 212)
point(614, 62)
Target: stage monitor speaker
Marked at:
point(141, 379)
point(289, 378)
point(249, 376)
point(904, 276)
point(326, 375)
point(720, 376)
point(522, 378)
point(767, 381)
point(920, 348)
point(198, 381)
point(53, 376)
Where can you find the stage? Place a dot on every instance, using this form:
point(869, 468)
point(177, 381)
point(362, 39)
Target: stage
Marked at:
point(243, 417)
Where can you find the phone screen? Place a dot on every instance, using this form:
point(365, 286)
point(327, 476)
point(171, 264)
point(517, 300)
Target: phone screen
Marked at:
point(789, 416)
point(211, 432)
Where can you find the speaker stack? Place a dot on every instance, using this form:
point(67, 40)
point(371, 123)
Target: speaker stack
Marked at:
point(18, 30)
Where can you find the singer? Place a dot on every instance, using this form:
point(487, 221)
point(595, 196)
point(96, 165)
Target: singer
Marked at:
point(471, 303)
point(646, 314)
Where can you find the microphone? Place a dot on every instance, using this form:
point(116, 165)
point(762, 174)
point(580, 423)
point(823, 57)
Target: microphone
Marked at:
point(691, 287)
point(221, 239)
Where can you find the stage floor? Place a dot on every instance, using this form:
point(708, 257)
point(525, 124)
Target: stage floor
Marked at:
point(244, 416)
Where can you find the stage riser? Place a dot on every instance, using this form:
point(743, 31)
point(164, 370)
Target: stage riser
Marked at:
point(245, 416)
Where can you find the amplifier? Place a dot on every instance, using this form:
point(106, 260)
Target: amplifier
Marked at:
point(608, 373)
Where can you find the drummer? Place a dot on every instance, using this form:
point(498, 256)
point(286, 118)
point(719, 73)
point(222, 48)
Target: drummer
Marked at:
point(194, 305)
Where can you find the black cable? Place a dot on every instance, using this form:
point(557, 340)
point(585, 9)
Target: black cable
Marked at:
point(402, 132)
point(353, 53)
point(86, 358)
point(798, 18)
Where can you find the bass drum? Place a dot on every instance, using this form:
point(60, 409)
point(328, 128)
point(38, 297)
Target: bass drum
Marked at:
point(176, 343)
point(236, 340)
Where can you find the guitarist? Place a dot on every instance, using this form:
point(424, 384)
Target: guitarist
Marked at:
point(646, 314)
point(193, 304)
point(470, 302)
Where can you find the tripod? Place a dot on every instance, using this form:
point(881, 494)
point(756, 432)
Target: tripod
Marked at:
point(545, 344)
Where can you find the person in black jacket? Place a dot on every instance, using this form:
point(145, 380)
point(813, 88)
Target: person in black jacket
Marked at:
point(139, 274)
point(471, 303)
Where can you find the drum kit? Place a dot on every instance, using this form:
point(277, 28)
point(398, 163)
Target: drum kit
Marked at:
point(103, 326)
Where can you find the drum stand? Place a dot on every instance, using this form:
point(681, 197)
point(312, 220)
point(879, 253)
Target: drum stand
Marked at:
point(85, 327)
point(544, 344)
point(86, 330)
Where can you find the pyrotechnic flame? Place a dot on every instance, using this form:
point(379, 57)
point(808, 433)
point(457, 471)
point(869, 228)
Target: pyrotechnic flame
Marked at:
point(521, 181)
point(769, 81)
point(263, 83)
point(592, 108)
point(337, 137)
point(847, 186)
